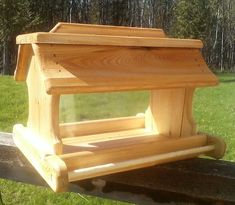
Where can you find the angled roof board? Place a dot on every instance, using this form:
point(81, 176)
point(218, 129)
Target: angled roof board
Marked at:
point(107, 30)
point(174, 62)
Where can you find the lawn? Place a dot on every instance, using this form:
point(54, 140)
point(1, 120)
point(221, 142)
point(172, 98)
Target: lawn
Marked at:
point(214, 111)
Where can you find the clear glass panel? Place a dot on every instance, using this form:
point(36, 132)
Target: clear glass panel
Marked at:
point(81, 107)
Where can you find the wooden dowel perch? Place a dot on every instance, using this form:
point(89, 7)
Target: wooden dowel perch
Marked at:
point(78, 58)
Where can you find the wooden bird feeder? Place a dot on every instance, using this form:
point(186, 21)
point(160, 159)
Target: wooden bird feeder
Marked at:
point(78, 58)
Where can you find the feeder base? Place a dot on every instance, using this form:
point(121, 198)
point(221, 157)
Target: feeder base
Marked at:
point(82, 160)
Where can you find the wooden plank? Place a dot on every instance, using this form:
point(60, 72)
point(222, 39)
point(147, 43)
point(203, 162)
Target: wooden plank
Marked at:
point(52, 169)
point(101, 126)
point(109, 140)
point(100, 68)
point(43, 118)
point(91, 39)
point(113, 151)
point(194, 181)
point(188, 126)
point(76, 28)
point(166, 111)
point(170, 112)
point(133, 136)
point(152, 160)
point(58, 87)
point(41, 145)
point(25, 54)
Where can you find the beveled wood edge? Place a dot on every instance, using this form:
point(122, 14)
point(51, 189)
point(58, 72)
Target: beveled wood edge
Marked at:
point(25, 53)
point(54, 89)
point(87, 39)
point(103, 26)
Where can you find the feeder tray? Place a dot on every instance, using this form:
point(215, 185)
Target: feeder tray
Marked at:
point(78, 58)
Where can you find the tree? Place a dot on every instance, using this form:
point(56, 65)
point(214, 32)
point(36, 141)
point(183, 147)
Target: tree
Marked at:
point(212, 21)
point(16, 18)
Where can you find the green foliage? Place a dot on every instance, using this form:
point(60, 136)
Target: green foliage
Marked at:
point(210, 20)
point(191, 18)
point(16, 17)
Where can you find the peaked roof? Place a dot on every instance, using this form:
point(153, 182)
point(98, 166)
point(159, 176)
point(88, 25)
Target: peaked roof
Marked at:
point(129, 37)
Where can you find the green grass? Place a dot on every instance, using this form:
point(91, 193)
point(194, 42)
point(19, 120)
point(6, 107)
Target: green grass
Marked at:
point(102, 105)
point(13, 103)
point(214, 111)
point(14, 193)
